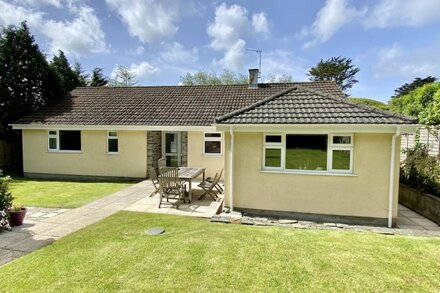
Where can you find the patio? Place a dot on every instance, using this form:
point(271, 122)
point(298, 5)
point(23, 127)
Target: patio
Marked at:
point(204, 208)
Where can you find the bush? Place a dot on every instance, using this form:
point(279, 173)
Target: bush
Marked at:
point(421, 171)
point(6, 199)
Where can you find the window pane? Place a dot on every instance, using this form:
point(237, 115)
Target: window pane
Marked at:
point(172, 161)
point(53, 132)
point(273, 138)
point(342, 139)
point(113, 134)
point(212, 147)
point(306, 152)
point(341, 160)
point(171, 143)
point(213, 135)
point(272, 158)
point(112, 145)
point(52, 143)
point(70, 140)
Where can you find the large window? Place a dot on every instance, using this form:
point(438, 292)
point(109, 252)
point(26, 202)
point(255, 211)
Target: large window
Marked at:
point(212, 143)
point(64, 140)
point(308, 152)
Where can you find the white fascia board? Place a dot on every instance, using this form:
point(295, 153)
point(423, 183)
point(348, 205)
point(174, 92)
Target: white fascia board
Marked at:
point(318, 128)
point(113, 127)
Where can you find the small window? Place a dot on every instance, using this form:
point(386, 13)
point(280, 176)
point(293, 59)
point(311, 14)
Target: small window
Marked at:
point(273, 138)
point(69, 140)
point(341, 140)
point(272, 157)
point(53, 140)
point(212, 143)
point(112, 142)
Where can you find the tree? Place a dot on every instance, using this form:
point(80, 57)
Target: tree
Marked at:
point(69, 77)
point(27, 82)
point(123, 77)
point(82, 77)
point(210, 78)
point(98, 78)
point(422, 102)
point(338, 69)
point(369, 102)
point(416, 83)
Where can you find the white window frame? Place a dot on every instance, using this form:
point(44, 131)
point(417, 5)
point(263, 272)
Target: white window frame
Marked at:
point(274, 145)
point(330, 147)
point(339, 147)
point(219, 139)
point(113, 138)
point(57, 136)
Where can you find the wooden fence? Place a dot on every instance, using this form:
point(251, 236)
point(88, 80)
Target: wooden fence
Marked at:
point(6, 155)
point(430, 138)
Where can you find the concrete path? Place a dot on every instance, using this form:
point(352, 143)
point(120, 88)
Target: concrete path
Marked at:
point(34, 234)
point(408, 219)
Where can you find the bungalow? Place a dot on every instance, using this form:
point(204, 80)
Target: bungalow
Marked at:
point(293, 149)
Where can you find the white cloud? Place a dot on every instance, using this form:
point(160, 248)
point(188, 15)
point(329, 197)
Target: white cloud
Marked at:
point(176, 53)
point(150, 21)
point(260, 24)
point(13, 14)
point(144, 70)
point(38, 3)
point(281, 62)
point(138, 51)
point(391, 13)
point(398, 62)
point(227, 33)
point(330, 19)
point(79, 37)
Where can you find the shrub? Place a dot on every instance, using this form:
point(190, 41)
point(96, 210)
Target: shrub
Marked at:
point(5, 201)
point(421, 171)
point(6, 197)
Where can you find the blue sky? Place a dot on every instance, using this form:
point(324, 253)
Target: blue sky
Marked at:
point(391, 41)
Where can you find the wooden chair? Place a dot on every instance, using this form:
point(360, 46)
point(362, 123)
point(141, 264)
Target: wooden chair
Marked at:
point(161, 163)
point(217, 186)
point(155, 179)
point(170, 185)
point(208, 187)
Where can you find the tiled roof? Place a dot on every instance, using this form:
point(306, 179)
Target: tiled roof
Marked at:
point(303, 105)
point(158, 105)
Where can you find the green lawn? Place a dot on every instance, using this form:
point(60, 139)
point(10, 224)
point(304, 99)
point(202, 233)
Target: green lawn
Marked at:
point(198, 256)
point(60, 194)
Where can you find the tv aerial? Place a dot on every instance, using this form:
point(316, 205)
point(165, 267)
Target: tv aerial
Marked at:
point(258, 51)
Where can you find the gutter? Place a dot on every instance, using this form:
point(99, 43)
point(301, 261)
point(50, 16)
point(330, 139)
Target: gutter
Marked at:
point(392, 171)
point(231, 171)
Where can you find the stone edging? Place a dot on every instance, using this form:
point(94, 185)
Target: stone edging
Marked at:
point(237, 218)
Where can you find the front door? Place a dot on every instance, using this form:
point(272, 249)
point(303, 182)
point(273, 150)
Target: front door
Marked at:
point(171, 148)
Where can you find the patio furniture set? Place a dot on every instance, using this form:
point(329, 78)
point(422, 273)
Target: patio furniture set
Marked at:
point(171, 183)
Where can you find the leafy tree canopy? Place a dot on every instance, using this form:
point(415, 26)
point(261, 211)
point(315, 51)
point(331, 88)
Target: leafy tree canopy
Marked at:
point(27, 82)
point(98, 78)
point(423, 103)
point(369, 102)
point(70, 78)
point(416, 83)
point(209, 78)
point(123, 77)
point(339, 69)
point(82, 76)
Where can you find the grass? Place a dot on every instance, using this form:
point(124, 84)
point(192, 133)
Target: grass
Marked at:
point(198, 256)
point(60, 194)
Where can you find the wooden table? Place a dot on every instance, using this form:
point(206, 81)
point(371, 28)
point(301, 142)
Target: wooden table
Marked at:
point(188, 174)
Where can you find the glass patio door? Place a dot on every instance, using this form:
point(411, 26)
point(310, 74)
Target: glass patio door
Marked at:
point(171, 148)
